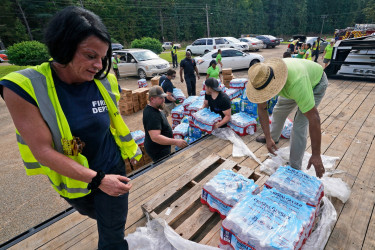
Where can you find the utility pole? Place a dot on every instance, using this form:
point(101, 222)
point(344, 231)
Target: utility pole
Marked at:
point(323, 17)
point(208, 24)
point(25, 20)
point(161, 24)
point(81, 3)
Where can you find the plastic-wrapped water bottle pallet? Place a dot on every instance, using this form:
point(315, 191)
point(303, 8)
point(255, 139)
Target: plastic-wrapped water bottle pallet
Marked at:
point(179, 203)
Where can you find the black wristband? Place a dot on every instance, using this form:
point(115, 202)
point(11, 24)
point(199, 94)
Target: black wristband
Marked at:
point(95, 182)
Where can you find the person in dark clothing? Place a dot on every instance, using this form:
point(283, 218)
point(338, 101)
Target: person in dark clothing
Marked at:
point(158, 132)
point(174, 56)
point(218, 102)
point(167, 85)
point(188, 65)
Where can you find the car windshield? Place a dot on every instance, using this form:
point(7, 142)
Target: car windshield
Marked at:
point(232, 39)
point(144, 55)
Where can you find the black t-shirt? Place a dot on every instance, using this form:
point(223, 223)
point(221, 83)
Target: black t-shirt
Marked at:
point(153, 119)
point(167, 86)
point(188, 66)
point(220, 104)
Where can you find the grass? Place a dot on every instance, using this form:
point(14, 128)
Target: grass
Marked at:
point(167, 55)
point(4, 70)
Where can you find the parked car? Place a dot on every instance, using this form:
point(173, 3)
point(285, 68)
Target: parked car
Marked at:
point(268, 41)
point(231, 58)
point(280, 39)
point(323, 43)
point(253, 43)
point(234, 43)
point(204, 45)
point(168, 45)
point(116, 46)
point(3, 56)
point(141, 62)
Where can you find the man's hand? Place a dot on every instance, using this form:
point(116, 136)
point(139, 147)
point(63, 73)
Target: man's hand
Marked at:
point(216, 126)
point(271, 146)
point(114, 185)
point(181, 143)
point(318, 165)
point(198, 77)
point(182, 80)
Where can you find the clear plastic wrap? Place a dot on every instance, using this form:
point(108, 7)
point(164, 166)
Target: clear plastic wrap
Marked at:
point(181, 130)
point(225, 189)
point(236, 105)
point(142, 83)
point(297, 184)
point(233, 93)
point(240, 149)
point(238, 83)
point(205, 120)
point(333, 187)
point(178, 112)
point(179, 95)
point(241, 122)
point(138, 136)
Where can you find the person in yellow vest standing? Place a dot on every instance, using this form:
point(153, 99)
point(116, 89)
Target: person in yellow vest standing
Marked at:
point(68, 126)
point(316, 49)
point(308, 52)
point(115, 61)
point(327, 55)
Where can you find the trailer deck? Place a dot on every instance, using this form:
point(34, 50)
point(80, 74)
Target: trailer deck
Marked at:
point(348, 119)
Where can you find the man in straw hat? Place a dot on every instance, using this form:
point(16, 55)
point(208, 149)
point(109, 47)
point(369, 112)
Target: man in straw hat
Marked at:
point(299, 83)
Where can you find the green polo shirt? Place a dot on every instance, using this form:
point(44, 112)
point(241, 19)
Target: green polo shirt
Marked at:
point(328, 50)
point(218, 57)
point(213, 72)
point(303, 76)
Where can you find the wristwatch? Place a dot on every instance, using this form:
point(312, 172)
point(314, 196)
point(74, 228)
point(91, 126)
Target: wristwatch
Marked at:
point(95, 182)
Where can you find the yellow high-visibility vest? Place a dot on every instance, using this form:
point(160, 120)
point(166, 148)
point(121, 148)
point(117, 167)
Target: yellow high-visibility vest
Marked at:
point(38, 83)
point(307, 55)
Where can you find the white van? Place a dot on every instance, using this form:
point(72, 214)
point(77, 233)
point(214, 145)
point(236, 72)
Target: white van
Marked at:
point(203, 45)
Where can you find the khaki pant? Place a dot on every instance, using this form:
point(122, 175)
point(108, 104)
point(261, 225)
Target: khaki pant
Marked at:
point(168, 108)
point(298, 137)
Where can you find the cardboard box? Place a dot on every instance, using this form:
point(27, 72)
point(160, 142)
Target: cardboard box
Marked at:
point(228, 77)
point(226, 83)
point(155, 80)
point(136, 108)
point(227, 71)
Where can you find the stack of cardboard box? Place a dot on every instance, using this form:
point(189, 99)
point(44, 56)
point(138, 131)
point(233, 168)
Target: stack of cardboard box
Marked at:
point(142, 97)
point(145, 160)
point(126, 102)
point(136, 107)
point(155, 80)
point(227, 76)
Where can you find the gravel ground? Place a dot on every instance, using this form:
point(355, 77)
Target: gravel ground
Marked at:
point(28, 201)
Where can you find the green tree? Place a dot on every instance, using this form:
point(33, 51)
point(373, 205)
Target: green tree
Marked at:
point(27, 53)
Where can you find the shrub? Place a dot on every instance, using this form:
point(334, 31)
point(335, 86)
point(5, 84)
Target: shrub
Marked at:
point(28, 53)
point(147, 43)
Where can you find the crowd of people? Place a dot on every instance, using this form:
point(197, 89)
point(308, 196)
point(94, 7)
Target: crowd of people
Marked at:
point(82, 152)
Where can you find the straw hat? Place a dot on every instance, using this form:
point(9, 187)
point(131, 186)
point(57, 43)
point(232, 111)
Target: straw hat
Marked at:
point(266, 80)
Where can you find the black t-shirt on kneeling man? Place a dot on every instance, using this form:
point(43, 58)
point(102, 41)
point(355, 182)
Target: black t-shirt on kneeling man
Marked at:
point(153, 119)
point(220, 104)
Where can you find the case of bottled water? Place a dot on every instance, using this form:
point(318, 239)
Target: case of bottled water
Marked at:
point(225, 190)
point(138, 137)
point(179, 95)
point(243, 124)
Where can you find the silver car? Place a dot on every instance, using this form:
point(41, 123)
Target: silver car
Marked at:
point(141, 62)
point(254, 44)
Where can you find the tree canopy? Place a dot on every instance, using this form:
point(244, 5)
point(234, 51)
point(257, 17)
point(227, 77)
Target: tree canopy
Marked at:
point(177, 20)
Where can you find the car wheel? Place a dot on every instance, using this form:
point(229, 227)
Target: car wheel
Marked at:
point(273, 46)
point(255, 61)
point(257, 50)
point(142, 74)
point(206, 51)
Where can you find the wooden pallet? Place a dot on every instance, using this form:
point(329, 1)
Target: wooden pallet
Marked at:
point(179, 202)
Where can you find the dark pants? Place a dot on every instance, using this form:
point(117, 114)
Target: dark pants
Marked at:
point(316, 54)
point(174, 61)
point(117, 73)
point(190, 85)
point(110, 213)
point(155, 156)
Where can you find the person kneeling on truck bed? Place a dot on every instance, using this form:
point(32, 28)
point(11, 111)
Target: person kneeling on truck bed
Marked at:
point(218, 102)
point(299, 83)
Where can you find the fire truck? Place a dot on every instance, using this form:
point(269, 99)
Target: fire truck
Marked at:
point(358, 30)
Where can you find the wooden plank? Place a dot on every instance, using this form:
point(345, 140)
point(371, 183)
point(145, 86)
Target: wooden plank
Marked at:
point(166, 192)
point(54, 230)
point(369, 242)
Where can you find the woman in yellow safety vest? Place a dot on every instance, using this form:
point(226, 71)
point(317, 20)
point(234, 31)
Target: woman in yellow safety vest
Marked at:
point(68, 124)
point(308, 53)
